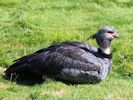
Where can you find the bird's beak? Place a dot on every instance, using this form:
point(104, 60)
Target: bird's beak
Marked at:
point(115, 35)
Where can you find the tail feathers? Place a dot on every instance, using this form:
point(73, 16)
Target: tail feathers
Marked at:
point(17, 69)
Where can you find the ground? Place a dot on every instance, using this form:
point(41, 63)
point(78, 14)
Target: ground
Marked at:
point(29, 25)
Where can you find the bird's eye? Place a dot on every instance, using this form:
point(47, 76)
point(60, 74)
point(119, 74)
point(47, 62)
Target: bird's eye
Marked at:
point(110, 32)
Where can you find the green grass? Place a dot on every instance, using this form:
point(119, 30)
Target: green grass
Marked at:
point(29, 25)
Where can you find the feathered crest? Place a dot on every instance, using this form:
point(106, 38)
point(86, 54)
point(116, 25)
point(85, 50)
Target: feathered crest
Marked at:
point(92, 36)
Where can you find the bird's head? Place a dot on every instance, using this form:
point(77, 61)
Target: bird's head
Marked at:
point(104, 36)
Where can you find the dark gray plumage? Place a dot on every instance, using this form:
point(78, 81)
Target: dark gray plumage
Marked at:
point(75, 62)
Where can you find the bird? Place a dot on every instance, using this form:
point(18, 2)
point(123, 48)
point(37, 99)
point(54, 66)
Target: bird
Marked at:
point(74, 62)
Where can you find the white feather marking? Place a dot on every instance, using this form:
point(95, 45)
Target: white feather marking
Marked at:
point(105, 50)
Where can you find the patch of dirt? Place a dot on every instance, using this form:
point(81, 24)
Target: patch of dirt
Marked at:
point(2, 69)
point(2, 85)
point(55, 92)
point(112, 96)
